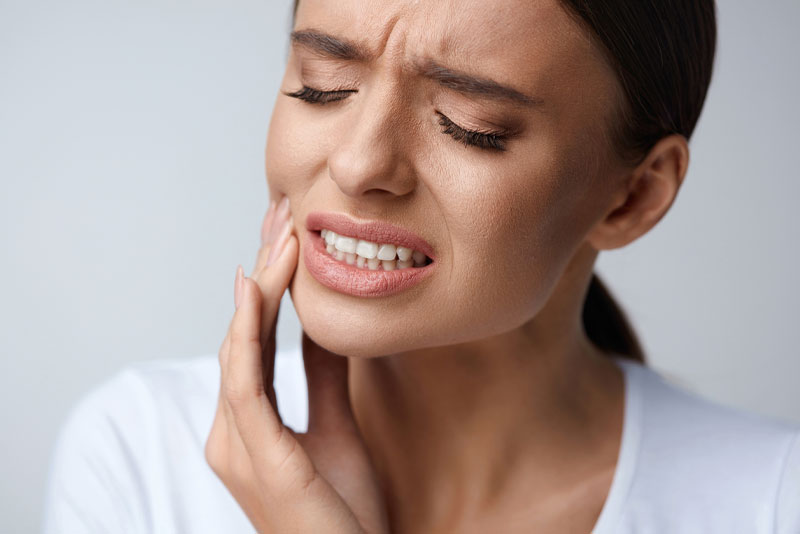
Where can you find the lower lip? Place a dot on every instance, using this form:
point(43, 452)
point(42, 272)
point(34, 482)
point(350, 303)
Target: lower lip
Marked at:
point(354, 280)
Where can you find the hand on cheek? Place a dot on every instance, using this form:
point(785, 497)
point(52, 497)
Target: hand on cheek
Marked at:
point(279, 477)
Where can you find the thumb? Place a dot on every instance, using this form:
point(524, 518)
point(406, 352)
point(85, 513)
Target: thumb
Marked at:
point(329, 407)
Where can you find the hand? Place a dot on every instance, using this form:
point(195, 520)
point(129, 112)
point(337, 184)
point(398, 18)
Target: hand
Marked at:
point(319, 481)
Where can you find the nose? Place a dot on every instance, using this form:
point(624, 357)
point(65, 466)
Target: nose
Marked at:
point(373, 155)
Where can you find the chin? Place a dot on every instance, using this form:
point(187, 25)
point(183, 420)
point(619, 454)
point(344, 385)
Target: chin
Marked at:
point(343, 337)
point(351, 326)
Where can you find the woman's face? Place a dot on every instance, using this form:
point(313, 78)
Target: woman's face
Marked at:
point(504, 224)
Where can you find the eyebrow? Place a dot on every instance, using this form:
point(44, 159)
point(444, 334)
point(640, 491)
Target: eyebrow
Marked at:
point(336, 48)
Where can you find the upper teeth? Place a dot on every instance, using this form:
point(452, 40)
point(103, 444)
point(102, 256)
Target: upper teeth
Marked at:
point(372, 255)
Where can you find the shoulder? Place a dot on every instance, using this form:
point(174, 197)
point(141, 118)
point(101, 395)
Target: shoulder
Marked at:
point(103, 474)
point(181, 390)
point(703, 459)
point(139, 394)
point(131, 450)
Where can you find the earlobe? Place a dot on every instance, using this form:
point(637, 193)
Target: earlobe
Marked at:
point(645, 196)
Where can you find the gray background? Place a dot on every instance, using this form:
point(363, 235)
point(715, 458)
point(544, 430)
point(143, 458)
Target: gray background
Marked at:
point(131, 157)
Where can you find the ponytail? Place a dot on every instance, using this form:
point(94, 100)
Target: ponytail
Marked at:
point(606, 324)
point(663, 54)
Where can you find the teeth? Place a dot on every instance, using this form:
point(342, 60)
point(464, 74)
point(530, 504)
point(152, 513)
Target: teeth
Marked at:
point(404, 253)
point(368, 255)
point(366, 249)
point(346, 244)
point(386, 252)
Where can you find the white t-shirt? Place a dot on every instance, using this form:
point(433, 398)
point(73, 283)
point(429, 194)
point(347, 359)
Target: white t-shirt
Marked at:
point(130, 458)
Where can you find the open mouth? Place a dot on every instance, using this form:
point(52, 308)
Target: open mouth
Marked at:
point(370, 255)
point(365, 258)
point(384, 280)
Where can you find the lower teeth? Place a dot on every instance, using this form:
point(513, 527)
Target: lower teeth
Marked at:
point(372, 264)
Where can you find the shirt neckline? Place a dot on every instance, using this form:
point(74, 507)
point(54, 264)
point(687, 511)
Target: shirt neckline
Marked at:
point(628, 450)
point(628, 454)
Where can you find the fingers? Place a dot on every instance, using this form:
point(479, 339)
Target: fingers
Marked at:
point(274, 234)
point(270, 229)
point(243, 381)
point(329, 408)
point(267, 224)
point(262, 462)
point(247, 355)
point(273, 279)
point(267, 441)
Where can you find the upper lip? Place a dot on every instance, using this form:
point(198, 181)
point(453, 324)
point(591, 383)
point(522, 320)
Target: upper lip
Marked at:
point(375, 231)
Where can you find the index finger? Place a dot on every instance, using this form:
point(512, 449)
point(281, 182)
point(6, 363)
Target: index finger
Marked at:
point(270, 230)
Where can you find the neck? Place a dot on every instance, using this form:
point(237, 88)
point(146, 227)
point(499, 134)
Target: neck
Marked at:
point(454, 430)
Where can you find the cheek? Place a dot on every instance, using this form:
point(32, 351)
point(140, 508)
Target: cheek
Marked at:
point(513, 233)
point(292, 154)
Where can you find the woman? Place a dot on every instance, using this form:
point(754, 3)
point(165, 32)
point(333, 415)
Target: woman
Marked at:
point(444, 176)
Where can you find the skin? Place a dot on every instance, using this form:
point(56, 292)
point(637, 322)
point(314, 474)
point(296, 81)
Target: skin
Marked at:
point(474, 401)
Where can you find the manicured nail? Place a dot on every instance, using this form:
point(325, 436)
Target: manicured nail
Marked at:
point(283, 209)
point(280, 242)
point(238, 286)
point(281, 213)
point(268, 219)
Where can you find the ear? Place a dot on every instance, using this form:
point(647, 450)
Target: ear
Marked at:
point(645, 195)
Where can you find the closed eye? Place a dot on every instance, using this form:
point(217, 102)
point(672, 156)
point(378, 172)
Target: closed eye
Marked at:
point(315, 96)
point(484, 140)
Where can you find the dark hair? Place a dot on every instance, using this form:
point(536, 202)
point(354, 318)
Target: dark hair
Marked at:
point(663, 54)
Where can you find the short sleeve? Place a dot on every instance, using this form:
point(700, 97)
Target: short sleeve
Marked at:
point(788, 503)
point(93, 483)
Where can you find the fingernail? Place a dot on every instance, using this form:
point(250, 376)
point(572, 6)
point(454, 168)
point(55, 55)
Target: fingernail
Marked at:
point(268, 219)
point(283, 208)
point(280, 243)
point(280, 215)
point(238, 285)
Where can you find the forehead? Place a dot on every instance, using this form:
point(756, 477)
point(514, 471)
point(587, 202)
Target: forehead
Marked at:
point(532, 44)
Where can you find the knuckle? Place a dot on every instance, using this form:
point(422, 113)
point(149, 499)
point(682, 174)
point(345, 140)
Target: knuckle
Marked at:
point(237, 394)
point(240, 338)
point(305, 481)
point(233, 394)
point(299, 478)
point(284, 449)
point(297, 474)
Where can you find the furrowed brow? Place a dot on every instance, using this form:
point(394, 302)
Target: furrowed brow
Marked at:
point(471, 85)
point(337, 48)
point(329, 46)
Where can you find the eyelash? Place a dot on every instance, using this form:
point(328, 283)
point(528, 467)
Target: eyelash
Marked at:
point(483, 140)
